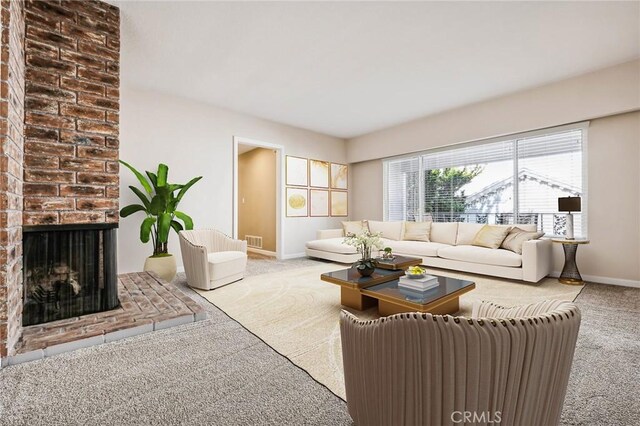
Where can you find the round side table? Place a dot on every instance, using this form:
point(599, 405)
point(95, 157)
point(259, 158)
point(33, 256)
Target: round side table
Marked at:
point(570, 274)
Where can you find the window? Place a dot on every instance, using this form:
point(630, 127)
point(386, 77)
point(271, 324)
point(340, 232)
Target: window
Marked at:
point(503, 181)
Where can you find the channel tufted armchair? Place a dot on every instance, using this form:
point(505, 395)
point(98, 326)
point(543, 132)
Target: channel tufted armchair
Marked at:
point(507, 366)
point(212, 259)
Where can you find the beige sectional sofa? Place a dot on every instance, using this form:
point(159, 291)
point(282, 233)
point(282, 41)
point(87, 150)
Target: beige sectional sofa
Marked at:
point(449, 248)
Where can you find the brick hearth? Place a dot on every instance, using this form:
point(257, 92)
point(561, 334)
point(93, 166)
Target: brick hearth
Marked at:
point(147, 304)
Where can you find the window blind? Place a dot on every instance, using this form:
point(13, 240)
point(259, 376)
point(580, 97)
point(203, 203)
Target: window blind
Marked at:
point(550, 166)
point(402, 189)
point(480, 171)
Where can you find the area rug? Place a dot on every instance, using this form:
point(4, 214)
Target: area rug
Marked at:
point(297, 314)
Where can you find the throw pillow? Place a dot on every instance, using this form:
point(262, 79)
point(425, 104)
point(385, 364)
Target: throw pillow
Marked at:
point(491, 236)
point(388, 230)
point(417, 231)
point(467, 232)
point(444, 232)
point(516, 238)
point(355, 227)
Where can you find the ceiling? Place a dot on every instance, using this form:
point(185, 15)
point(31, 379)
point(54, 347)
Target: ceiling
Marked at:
point(349, 68)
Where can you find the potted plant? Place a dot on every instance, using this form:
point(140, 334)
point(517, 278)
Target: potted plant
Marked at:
point(363, 243)
point(160, 206)
point(388, 253)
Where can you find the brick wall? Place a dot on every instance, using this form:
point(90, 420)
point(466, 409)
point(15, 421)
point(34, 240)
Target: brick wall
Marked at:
point(11, 148)
point(71, 112)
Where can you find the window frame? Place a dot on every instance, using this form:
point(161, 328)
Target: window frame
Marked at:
point(515, 137)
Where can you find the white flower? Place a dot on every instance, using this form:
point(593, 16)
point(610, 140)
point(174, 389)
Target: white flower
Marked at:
point(364, 242)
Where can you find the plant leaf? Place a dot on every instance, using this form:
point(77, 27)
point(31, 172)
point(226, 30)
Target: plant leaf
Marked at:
point(164, 226)
point(141, 178)
point(131, 209)
point(145, 229)
point(153, 178)
point(186, 187)
point(188, 222)
point(176, 226)
point(158, 205)
point(141, 195)
point(163, 171)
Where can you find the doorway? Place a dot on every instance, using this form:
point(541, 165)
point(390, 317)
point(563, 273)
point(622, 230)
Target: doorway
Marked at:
point(257, 195)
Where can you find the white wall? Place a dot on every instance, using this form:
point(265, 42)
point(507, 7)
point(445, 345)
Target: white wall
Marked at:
point(197, 139)
point(598, 94)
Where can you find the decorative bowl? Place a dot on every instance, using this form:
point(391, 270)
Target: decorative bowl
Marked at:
point(414, 276)
point(415, 272)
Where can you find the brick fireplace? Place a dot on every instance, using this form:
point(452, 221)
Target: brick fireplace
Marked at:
point(59, 111)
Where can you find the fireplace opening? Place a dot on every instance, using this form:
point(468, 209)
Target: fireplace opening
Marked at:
point(69, 270)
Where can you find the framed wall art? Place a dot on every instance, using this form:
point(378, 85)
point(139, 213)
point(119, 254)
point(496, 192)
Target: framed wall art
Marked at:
point(318, 203)
point(339, 203)
point(297, 202)
point(339, 176)
point(297, 171)
point(319, 173)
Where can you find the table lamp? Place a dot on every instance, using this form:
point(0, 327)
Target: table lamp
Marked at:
point(569, 204)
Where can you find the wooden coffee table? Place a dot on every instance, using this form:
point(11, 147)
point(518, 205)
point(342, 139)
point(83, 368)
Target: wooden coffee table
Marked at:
point(381, 289)
point(351, 282)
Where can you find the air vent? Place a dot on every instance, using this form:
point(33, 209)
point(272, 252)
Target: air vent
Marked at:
point(253, 241)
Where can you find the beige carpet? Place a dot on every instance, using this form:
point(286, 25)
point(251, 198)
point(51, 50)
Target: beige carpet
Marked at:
point(297, 314)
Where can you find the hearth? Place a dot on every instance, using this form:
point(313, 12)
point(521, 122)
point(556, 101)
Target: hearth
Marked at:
point(69, 270)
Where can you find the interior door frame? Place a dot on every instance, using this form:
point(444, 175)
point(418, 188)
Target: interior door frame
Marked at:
point(239, 140)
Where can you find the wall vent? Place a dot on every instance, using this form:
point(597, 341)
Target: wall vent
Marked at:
point(253, 241)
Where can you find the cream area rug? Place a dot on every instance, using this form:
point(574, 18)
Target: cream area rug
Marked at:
point(297, 314)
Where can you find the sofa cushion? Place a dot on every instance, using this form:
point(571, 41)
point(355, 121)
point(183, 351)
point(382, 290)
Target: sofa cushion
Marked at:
point(416, 231)
point(226, 263)
point(467, 233)
point(516, 238)
point(389, 230)
point(487, 256)
point(356, 227)
point(416, 248)
point(444, 232)
point(333, 245)
point(491, 236)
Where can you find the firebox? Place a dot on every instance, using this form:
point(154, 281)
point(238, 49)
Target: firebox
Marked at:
point(69, 270)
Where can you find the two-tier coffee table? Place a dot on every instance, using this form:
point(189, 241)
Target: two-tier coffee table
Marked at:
point(382, 289)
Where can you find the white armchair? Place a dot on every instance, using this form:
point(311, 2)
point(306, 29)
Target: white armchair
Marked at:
point(212, 259)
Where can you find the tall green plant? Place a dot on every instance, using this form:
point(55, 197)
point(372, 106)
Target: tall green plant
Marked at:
point(160, 204)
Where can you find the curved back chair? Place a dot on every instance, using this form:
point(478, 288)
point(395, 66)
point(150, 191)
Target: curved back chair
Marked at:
point(211, 258)
point(508, 366)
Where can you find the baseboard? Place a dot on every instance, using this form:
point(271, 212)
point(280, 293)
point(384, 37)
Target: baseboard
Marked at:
point(293, 256)
point(604, 280)
point(262, 252)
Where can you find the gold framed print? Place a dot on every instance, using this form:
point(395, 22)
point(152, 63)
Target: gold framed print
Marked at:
point(339, 203)
point(318, 203)
point(297, 202)
point(319, 174)
point(339, 176)
point(297, 171)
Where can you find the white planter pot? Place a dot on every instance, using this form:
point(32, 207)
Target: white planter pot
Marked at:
point(164, 266)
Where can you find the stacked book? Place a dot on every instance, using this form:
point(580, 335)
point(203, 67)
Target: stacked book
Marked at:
point(418, 284)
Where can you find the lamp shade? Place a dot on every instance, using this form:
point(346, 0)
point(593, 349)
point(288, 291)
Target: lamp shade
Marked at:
point(569, 204)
